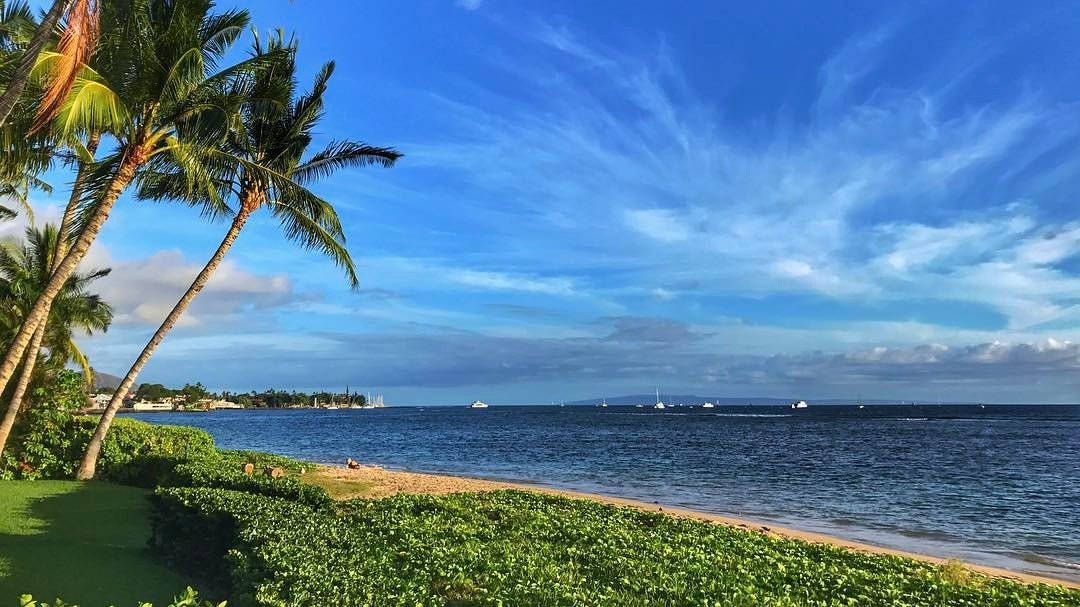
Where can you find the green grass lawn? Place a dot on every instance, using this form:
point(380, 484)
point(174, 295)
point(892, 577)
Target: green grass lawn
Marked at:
point(83, 542)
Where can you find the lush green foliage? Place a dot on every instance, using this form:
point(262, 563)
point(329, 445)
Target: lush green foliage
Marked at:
point(85, 542)
point(49, 440)
point(225, 474)
point(141, 454)
point(189, 598)
point(516, 548)
point(44, 444)
point(25, 269)
point(262, 460)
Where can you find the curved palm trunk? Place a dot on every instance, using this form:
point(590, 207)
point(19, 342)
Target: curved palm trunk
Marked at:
point(15, 405)
point(40, 311)
point(89, 463)
point(12, 412)
point(22, 74)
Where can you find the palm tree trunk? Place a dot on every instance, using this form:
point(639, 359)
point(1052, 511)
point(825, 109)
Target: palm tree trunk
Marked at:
point(22, 73)
point(15, 405)
point(40, 311)
point(12, 412)
point(89, 463)
point(72, 207)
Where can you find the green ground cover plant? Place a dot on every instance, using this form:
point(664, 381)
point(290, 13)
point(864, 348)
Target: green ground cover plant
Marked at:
point(519, 548)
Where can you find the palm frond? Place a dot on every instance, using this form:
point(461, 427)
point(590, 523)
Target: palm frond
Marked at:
point(343, 154)
point(77, 43)
point(311, 235)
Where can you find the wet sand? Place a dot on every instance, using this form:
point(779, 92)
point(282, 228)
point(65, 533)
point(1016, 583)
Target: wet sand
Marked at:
point(375, 482)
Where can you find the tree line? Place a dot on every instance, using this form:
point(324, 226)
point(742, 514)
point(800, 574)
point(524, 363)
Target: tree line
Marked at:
point(143, 98)
point(271, 398)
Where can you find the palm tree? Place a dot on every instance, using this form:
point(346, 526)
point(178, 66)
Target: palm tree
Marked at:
point(22, 159)
point(77, 41)
point(266, 167)
point(157, 91)
point(24, 271)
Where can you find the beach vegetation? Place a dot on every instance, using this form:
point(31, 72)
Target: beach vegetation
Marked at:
point(522, 548)
point(188, 598)
point(264, 164)
point(25, 270)
point(153, 86)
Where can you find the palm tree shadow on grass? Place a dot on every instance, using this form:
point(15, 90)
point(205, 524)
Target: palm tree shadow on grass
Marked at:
point(88, 546)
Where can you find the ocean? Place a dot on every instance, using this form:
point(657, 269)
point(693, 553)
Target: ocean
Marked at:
point(998, 485)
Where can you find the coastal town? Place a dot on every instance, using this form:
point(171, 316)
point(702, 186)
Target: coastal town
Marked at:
point(196, 398)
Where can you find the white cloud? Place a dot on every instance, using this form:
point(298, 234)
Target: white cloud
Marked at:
point(659, 224)
point(863, 204)
point(143, 291)
point(498, 281)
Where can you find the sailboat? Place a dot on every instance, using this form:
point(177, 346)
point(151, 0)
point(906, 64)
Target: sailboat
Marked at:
point(604, 404)
point(659, 405)
point(860, 401)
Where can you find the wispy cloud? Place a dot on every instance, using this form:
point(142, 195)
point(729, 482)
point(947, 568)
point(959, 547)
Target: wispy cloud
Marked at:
point(469, 5)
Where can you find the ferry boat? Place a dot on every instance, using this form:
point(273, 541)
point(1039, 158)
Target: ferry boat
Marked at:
point(478, 405)
point(799, 404)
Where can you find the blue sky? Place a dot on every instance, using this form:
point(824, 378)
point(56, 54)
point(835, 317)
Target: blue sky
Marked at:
point(791, 199)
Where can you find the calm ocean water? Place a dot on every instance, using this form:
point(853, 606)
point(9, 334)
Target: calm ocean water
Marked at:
point(998, 486)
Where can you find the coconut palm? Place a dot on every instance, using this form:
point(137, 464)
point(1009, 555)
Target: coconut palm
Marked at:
point(24, 271)
point(267, 167)
point(76, 43)
point(22, 159)
point(158, 90)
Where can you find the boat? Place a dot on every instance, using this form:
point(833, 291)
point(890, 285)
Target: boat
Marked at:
point(331, 407)
point(604, 404)
point(799, 404)
point(659, 405)
point(707, 405)
point(478, 405)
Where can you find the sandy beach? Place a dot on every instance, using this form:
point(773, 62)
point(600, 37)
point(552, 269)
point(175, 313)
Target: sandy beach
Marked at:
point(376, 482)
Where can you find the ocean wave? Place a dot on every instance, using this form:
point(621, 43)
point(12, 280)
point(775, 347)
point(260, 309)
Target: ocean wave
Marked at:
point(751, 414)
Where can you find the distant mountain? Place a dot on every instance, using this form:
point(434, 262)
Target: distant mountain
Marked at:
point(693, 399)
point(111, 382)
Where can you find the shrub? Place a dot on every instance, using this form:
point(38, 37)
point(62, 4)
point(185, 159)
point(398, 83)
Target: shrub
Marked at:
point(225, 473)
point(515, 548)
point(189, 598)
point(142, 454)
point(263, 460)
point(43, 443)
point(49, 443)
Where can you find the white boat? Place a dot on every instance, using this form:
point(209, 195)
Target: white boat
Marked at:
point(659, 405)
point(604, 404)
point(478, 405)
point(707, 405)
point(331, 407)
point(799, 404)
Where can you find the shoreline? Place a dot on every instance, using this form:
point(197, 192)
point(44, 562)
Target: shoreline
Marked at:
point(376, 482)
